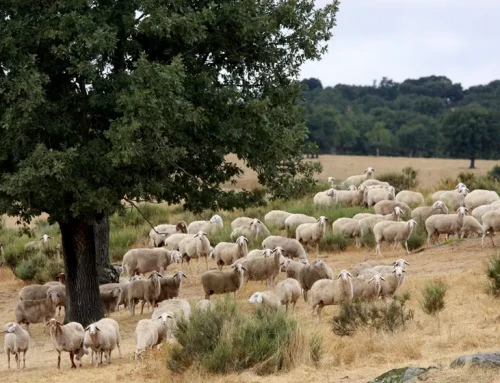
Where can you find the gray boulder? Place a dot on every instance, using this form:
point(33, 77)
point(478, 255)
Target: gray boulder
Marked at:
point(486, 360)
point(401, 375)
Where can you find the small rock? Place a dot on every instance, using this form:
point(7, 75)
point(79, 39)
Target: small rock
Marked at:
point(401, 375)
point(486, 360)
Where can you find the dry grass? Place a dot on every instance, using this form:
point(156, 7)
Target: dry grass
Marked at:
point(469, 323)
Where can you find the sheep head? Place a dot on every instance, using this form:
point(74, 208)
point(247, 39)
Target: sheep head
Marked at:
point(278, 250)
point(180, 275)
point(256, 298)
point(369, 171)
point(53, 323)
point(45, 238)
point(176, 256)
point(352, 188)
point(266, 253)
point(398, 271)
point(437, 205)
point(10, 327)
point(462, 210)
point(217, 220)
point(330, 193)
point(181, 227)
point(241, 241)
point(164, 318)
point(460, 185)
point(411, 224)
point(463, 190)
point(286, 263)
point(344, 275)
point(200, 234)
point(401, 263)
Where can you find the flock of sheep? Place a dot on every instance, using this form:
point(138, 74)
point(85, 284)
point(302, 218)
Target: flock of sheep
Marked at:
point(314, 280)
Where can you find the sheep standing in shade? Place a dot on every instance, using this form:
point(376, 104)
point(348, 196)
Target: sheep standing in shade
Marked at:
point(17, 341)
point(311, 233)
point(145, 260)
point(327, 292)
point(222, 282)
point(43, 243)
point(159, 233)
point(358, 179)
point(208, 227)
point(394, 232)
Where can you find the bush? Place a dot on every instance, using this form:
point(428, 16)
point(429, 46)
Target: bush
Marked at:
point(224, 340)
point(417, 239)
point(405, 180)
point(368, 239)
point(493, 274)
point(378, 316)
point(433, 294)
point(494, 173)
point(334, 242)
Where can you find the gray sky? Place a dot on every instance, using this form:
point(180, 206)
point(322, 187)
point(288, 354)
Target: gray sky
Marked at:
point(403, 39)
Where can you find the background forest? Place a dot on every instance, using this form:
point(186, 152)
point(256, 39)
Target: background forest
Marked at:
point(427, 117)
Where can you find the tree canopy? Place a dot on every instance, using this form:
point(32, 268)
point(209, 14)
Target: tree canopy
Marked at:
point(143, 99)
point(416, 117)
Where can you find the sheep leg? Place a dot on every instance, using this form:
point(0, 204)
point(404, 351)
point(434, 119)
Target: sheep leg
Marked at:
point(293, 307)
point(377, 249)
point(8, 359)
point(286, 307)
point(59, 359)
point(318, 311)
point(491, 237)
point(313, 311)
point(71, 355)
point(394, 246)
point(109, 357)
point(17, 360)
point(24, 359)
point(119, 349)
point(142, 306)
point(406, 245)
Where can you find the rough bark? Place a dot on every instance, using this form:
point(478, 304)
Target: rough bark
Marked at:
point(105, 271)
point(83, 303)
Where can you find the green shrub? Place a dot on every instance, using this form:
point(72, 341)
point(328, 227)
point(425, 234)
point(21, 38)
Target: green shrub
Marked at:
point(405, 180)
point(378, 316)
point(224, 340)
point(368, 239)
point(316, 348)
point(121, 239)
point(493, 274)
point(433, 294)
point(334, 242)
point(417, 239)
point(494, 173)
point(26, 269)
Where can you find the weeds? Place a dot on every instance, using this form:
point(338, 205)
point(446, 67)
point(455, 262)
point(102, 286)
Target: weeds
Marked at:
point(316, 348)
point(378, 316)
point(334, 242)
point(493, 274)
point(433, 294)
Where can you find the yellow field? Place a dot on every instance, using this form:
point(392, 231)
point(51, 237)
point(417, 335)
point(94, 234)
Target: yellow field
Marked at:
point(470, 322)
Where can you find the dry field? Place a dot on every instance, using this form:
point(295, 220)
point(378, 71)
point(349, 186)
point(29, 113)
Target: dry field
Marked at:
point(431, 170)
point(470, 322)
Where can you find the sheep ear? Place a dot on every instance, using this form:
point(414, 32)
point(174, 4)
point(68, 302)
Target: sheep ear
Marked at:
point(259, 298)
point(406, 263)
point(97, 328)
point(184, 275)
point(87, 328)
point(370, 280)
point(382, 278)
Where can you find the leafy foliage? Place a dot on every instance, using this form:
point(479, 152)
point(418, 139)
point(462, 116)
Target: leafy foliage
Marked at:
point(493, 274)
point(433, 294)
point(406, 180)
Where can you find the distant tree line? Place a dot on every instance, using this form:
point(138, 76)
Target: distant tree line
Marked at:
point(427, 117)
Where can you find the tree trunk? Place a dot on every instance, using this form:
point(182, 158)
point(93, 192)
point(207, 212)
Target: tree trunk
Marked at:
point(83, 303)
point(377, 151)
point(472, 163)
point(105, 271)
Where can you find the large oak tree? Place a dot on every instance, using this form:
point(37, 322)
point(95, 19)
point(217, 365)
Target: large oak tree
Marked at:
point(102, 100)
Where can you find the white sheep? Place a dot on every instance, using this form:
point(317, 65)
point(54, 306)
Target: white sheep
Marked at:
point(375, 267)
point(226, 253)
point(367, 287)
point(479, 211)
point(392, 283)
point(480, 197)
point(203, 305)
point(36, 311)
point(454, 198)
point(491, 224)
point(147, 334)
point(331, 181)
point(267, 299)
point(208, 227)
point(444, 224)
point(295, 220)
point(410, 198)
point(360, 216)
point(264, 269)
point(348, 228)
point(253, 230)
point(195, 247)
point(366, 224)
point(358, 179)
point(421, 213)
point(374, 182)
point(144, 260)
point(104, 337)
point(277, 218)
point(393, 232)
point(325, 292)
point(42, 243)
point(387, 206)
point(288, 291)
point(291, 247)
point(221, 282)
point(260, 253)
point(145, 291)
point(350, 197)
point(17, 341)
point(170, 285)
point(158, 234)
point(470, 226)
point(292, 268)
point(69, 338)
point(241, 221)
point(378, 194)
point(325, 198)
point(311, 233)
point(170, 312)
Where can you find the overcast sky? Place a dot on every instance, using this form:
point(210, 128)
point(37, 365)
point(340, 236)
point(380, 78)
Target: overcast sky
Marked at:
point(403, 39)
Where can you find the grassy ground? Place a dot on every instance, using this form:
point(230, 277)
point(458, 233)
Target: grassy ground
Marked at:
point(469, 323)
